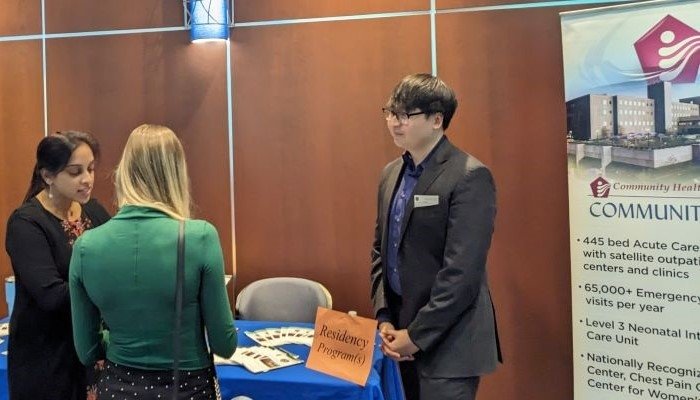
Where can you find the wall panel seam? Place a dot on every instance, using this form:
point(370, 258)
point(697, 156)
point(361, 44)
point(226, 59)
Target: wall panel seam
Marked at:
point(559, 3)
point(518, 6)
point(43, 67)
point(330, 19)
point(229, 99)
point(433, 39)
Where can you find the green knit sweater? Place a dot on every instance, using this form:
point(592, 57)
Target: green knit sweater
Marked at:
point(123, 272)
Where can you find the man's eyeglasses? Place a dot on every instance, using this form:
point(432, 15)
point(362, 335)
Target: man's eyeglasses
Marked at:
point(400, 116)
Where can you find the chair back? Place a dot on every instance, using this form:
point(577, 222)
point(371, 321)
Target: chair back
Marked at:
point(282, 299)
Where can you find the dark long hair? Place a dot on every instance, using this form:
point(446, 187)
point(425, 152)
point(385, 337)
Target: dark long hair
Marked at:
point(53, 154)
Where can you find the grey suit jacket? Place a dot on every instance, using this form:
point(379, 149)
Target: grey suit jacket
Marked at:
point(446, 304)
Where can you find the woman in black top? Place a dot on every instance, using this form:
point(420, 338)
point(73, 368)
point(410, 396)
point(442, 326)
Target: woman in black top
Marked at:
point(42, 363)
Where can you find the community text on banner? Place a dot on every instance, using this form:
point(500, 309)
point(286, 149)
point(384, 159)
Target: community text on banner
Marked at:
point(633, 141)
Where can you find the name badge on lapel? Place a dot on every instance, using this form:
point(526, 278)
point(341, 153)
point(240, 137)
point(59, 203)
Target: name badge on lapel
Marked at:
point(425, 200)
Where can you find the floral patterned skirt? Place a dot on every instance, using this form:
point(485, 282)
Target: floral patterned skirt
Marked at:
point(122, 382)
point(92, 377)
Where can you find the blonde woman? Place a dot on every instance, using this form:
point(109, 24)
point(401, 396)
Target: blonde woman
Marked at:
point(125, 274)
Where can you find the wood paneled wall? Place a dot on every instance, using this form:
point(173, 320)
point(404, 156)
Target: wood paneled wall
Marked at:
point(21, 128)
point(310, 143)
point(512, 117)
point(104, 15)
point(309, 140)
point(265, 10)
point(109, 84)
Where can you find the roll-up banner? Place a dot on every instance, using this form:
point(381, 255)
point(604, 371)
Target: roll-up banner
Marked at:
point(632, 88)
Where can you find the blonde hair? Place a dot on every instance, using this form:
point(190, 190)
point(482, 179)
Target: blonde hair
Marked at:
point(153, 172)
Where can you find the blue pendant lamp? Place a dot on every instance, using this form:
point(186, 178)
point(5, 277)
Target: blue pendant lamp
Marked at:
point(208, 19)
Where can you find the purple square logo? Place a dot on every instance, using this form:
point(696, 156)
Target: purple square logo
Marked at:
point(600, 187)
point(669, 52)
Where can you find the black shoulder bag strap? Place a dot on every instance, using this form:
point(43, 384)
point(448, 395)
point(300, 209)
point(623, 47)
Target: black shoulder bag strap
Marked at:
point(178, 307)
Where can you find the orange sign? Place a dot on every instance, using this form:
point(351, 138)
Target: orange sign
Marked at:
point(343, 345)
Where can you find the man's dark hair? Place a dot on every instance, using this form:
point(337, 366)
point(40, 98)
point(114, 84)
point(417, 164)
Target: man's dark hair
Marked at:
point(426, 93)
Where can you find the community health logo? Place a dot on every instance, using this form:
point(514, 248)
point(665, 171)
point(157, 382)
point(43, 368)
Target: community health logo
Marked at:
point(600, 187)
point(669, 52)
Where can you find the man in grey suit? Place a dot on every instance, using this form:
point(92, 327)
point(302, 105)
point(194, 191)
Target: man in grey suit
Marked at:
point(435, 218)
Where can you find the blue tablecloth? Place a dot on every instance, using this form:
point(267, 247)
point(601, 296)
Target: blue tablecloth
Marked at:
point(3, 366)
point(295, 382)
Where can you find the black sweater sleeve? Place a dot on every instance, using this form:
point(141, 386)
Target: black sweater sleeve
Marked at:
point(33, 263)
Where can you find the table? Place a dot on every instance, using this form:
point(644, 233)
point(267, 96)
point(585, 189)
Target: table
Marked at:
point(299, 382)
point(295, 382)
point(3, 366)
